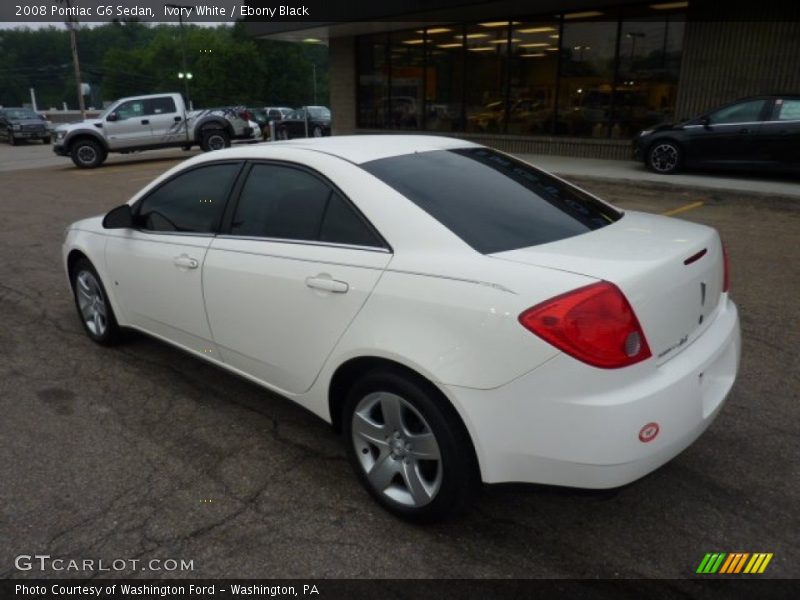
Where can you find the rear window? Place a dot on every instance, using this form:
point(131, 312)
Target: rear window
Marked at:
point(491, 201)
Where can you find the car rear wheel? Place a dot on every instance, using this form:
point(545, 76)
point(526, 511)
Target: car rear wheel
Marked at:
point(92, 303)
point(87, 154)
point(215, 139)
point(410, 453)
point(664, 157)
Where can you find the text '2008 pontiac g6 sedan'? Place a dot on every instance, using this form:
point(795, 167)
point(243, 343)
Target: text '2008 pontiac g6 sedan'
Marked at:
point(460, 315)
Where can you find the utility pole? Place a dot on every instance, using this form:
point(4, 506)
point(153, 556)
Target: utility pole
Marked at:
point(72, 25)
point(314, 67)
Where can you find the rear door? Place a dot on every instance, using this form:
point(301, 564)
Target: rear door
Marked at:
point(779, 138)
point(296, 264)
point(167, 125)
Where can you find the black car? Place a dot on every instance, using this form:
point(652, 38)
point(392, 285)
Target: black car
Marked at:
point(294, 125)
point(756, 133)
point(23, 124)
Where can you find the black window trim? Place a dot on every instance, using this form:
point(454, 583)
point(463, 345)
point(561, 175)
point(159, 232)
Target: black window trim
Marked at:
point(215, 230)
point(233, 203)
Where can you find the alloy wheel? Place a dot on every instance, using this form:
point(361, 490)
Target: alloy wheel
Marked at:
point(92, 303)
point(397, 449)
point(87, 155)
point(664, 158)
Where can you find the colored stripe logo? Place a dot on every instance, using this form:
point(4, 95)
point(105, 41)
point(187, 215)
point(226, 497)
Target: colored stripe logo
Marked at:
point(734, 563)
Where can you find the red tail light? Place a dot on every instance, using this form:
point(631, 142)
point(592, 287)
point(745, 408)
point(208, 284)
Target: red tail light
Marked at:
point(246, 115)
point(726, 276)
point(594, 324)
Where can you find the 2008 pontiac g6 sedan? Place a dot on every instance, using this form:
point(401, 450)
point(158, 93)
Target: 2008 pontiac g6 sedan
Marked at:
point(459, 315)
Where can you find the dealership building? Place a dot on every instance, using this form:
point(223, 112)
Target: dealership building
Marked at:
point(572, 77)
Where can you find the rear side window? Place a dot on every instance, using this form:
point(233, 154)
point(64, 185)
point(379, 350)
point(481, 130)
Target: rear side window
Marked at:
point(283, 202)
point(742, 112)
point(190, 202)
point(491, 201)
point(160, 106)
point(787, 109)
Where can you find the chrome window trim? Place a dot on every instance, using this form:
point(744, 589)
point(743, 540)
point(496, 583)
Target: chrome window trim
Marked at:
point(255, 238)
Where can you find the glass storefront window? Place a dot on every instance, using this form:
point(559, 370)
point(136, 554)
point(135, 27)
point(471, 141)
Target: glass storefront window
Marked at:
point(444, 78)
point(647, 80)
point(594, 73)
point(485, 98)
point(373, 80)
point(403, 106)
point(533, 68)
point(588, 50)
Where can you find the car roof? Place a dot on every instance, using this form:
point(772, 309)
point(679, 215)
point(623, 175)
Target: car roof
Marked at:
point(359, 149)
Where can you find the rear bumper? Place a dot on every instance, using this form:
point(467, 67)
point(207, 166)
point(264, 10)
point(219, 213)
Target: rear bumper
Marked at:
point(569, 424)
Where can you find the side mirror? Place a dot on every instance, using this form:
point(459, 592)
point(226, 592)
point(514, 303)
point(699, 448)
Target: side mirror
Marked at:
point(705, 121)
point(119, 218)
point(112, 117)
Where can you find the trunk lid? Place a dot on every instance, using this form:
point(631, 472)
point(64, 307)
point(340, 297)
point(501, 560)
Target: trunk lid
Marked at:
point(670, 270)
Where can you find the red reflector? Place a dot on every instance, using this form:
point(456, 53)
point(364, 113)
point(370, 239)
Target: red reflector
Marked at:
point(594, 324)
point(649, 432)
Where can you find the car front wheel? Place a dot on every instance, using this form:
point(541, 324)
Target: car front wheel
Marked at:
point(410, 452)
point(87, 154)
point(664, 157)
point(92, 303)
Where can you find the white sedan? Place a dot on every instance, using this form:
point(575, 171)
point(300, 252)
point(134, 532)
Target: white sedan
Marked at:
point(458, 314)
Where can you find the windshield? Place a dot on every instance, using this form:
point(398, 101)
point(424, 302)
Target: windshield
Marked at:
point(492, 201)
point(317, 112)
point(20, 113)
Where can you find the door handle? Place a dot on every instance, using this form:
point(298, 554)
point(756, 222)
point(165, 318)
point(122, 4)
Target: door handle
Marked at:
point(186, 262)
point(744, 130)
point(145, 121)
point(327, 284)
point(177, 119)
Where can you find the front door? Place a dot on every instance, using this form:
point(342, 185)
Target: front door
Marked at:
point(728, 137)
point(157, 267)
point(131, 127)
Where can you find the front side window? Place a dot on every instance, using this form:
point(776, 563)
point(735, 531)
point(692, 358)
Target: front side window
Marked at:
point(130, 110)
point(283, 202)
point(742, 112)
point(492, 201)
point(191, 202)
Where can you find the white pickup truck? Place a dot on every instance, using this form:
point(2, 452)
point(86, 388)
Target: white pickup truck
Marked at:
point(149, 122)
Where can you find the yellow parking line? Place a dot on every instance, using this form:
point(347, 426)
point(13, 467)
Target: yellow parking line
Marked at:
point(683, 208)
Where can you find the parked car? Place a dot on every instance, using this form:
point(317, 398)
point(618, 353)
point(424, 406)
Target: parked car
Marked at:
point(267, 114)
point(754, 133)
point(460, 315)
point(294, 124)
point(149, 122)
point(23, 124)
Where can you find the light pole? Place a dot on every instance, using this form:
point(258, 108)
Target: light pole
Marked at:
point(633, 35)
point(314, 71)
point(184, 74)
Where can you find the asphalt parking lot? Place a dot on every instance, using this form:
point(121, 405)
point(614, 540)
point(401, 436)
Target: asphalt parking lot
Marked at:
point(141, 451)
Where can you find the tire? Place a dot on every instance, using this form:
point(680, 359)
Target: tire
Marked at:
point(11, 139)
point(87, 154)
point(91, 301)
point(46, 140)
point(386, 413)
point(664, 156)
point(215, 139)
point(317, 131)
